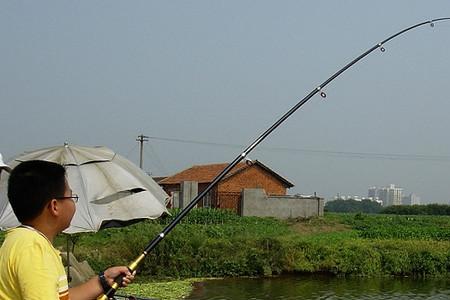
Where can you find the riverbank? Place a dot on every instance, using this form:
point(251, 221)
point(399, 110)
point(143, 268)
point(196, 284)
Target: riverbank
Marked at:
point(208, 245)
point(212, 243)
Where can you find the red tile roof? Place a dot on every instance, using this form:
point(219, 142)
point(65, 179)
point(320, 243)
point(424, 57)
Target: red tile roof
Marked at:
point(206, 173)
point(200, 173)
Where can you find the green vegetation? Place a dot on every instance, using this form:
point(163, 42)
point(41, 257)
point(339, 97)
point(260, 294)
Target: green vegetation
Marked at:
point(162, 290)
point(370, 207)
point(353, 206)
point(212, 243)
point(430, 209)
point(191, 250)
point(432, 228)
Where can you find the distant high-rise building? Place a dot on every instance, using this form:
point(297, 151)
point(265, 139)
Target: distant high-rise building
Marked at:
point(373, 192)
point(391, 195)
point(411, 199)
point(415, 199)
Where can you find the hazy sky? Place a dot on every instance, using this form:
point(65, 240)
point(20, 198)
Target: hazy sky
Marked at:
point(221, 72)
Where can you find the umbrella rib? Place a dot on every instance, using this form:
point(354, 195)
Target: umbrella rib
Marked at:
point(83, 185)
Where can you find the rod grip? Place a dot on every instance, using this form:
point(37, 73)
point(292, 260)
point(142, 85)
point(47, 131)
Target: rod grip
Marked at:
point(110, 294)
point(118, 280)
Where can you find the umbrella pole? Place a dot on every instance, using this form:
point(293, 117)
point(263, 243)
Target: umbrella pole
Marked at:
point(133, 266)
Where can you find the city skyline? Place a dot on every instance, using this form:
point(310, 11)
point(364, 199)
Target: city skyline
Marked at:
point(385, 195)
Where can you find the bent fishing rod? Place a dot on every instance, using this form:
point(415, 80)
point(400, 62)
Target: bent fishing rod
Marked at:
point(319, 89)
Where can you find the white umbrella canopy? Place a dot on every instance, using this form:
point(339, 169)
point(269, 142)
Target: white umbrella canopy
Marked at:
point(110, 187)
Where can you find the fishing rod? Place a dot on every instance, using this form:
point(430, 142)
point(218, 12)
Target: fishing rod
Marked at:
point(319, 89)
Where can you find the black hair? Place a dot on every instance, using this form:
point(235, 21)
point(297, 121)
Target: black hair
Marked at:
point(32, 184)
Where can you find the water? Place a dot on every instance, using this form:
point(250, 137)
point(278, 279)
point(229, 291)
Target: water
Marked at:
point(322, 287)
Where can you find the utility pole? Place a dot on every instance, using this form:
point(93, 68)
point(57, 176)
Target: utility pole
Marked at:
point(141, 139)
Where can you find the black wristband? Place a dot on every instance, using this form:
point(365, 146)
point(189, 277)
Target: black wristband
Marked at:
point(103, 282)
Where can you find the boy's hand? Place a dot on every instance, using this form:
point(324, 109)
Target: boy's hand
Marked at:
point(113, 272)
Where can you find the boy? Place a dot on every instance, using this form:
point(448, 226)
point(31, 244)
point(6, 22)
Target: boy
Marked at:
point(30, 267)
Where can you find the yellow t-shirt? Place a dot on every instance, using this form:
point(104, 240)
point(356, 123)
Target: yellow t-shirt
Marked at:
point(31, 268)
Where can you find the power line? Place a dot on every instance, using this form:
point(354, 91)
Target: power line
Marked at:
point(158, 162)
point(347, 154)
point(127, 155)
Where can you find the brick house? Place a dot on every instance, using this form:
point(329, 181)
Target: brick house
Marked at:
point(227, 193)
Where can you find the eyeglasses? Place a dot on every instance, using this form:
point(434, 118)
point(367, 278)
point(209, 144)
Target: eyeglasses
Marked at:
point(74, 197)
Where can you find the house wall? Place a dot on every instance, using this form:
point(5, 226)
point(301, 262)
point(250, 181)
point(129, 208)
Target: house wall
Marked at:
point(254, 177)
point(255, 202)
point(183, 193)
point(168, 188)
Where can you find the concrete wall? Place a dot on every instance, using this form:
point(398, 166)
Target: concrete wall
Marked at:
point(255, 202)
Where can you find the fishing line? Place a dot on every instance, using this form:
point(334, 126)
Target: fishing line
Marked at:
point(319, 89)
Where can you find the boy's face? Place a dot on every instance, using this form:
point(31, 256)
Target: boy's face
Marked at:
point(68, 207)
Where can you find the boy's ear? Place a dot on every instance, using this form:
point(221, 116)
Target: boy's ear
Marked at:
point(53, 207)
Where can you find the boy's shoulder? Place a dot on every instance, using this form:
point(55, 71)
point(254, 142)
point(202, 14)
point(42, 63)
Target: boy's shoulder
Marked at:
point(20, 231)
point(22, 238)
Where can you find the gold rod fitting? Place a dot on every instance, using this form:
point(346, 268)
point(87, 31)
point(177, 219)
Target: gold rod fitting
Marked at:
point(133, 266)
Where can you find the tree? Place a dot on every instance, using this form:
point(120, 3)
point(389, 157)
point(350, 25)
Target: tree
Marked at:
point(351, 205)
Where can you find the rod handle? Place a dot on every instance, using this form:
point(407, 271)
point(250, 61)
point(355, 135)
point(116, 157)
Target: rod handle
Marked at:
point(118, 280)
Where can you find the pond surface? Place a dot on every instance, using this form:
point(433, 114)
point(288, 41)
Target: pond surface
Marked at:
point(308, 287)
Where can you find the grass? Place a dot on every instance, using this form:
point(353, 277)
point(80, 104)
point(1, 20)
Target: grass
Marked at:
point(424, 227)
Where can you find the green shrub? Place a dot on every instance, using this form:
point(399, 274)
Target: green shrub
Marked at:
point(216, 244)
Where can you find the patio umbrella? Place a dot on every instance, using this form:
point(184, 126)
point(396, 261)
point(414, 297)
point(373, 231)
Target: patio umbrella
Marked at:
point(110, 187)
